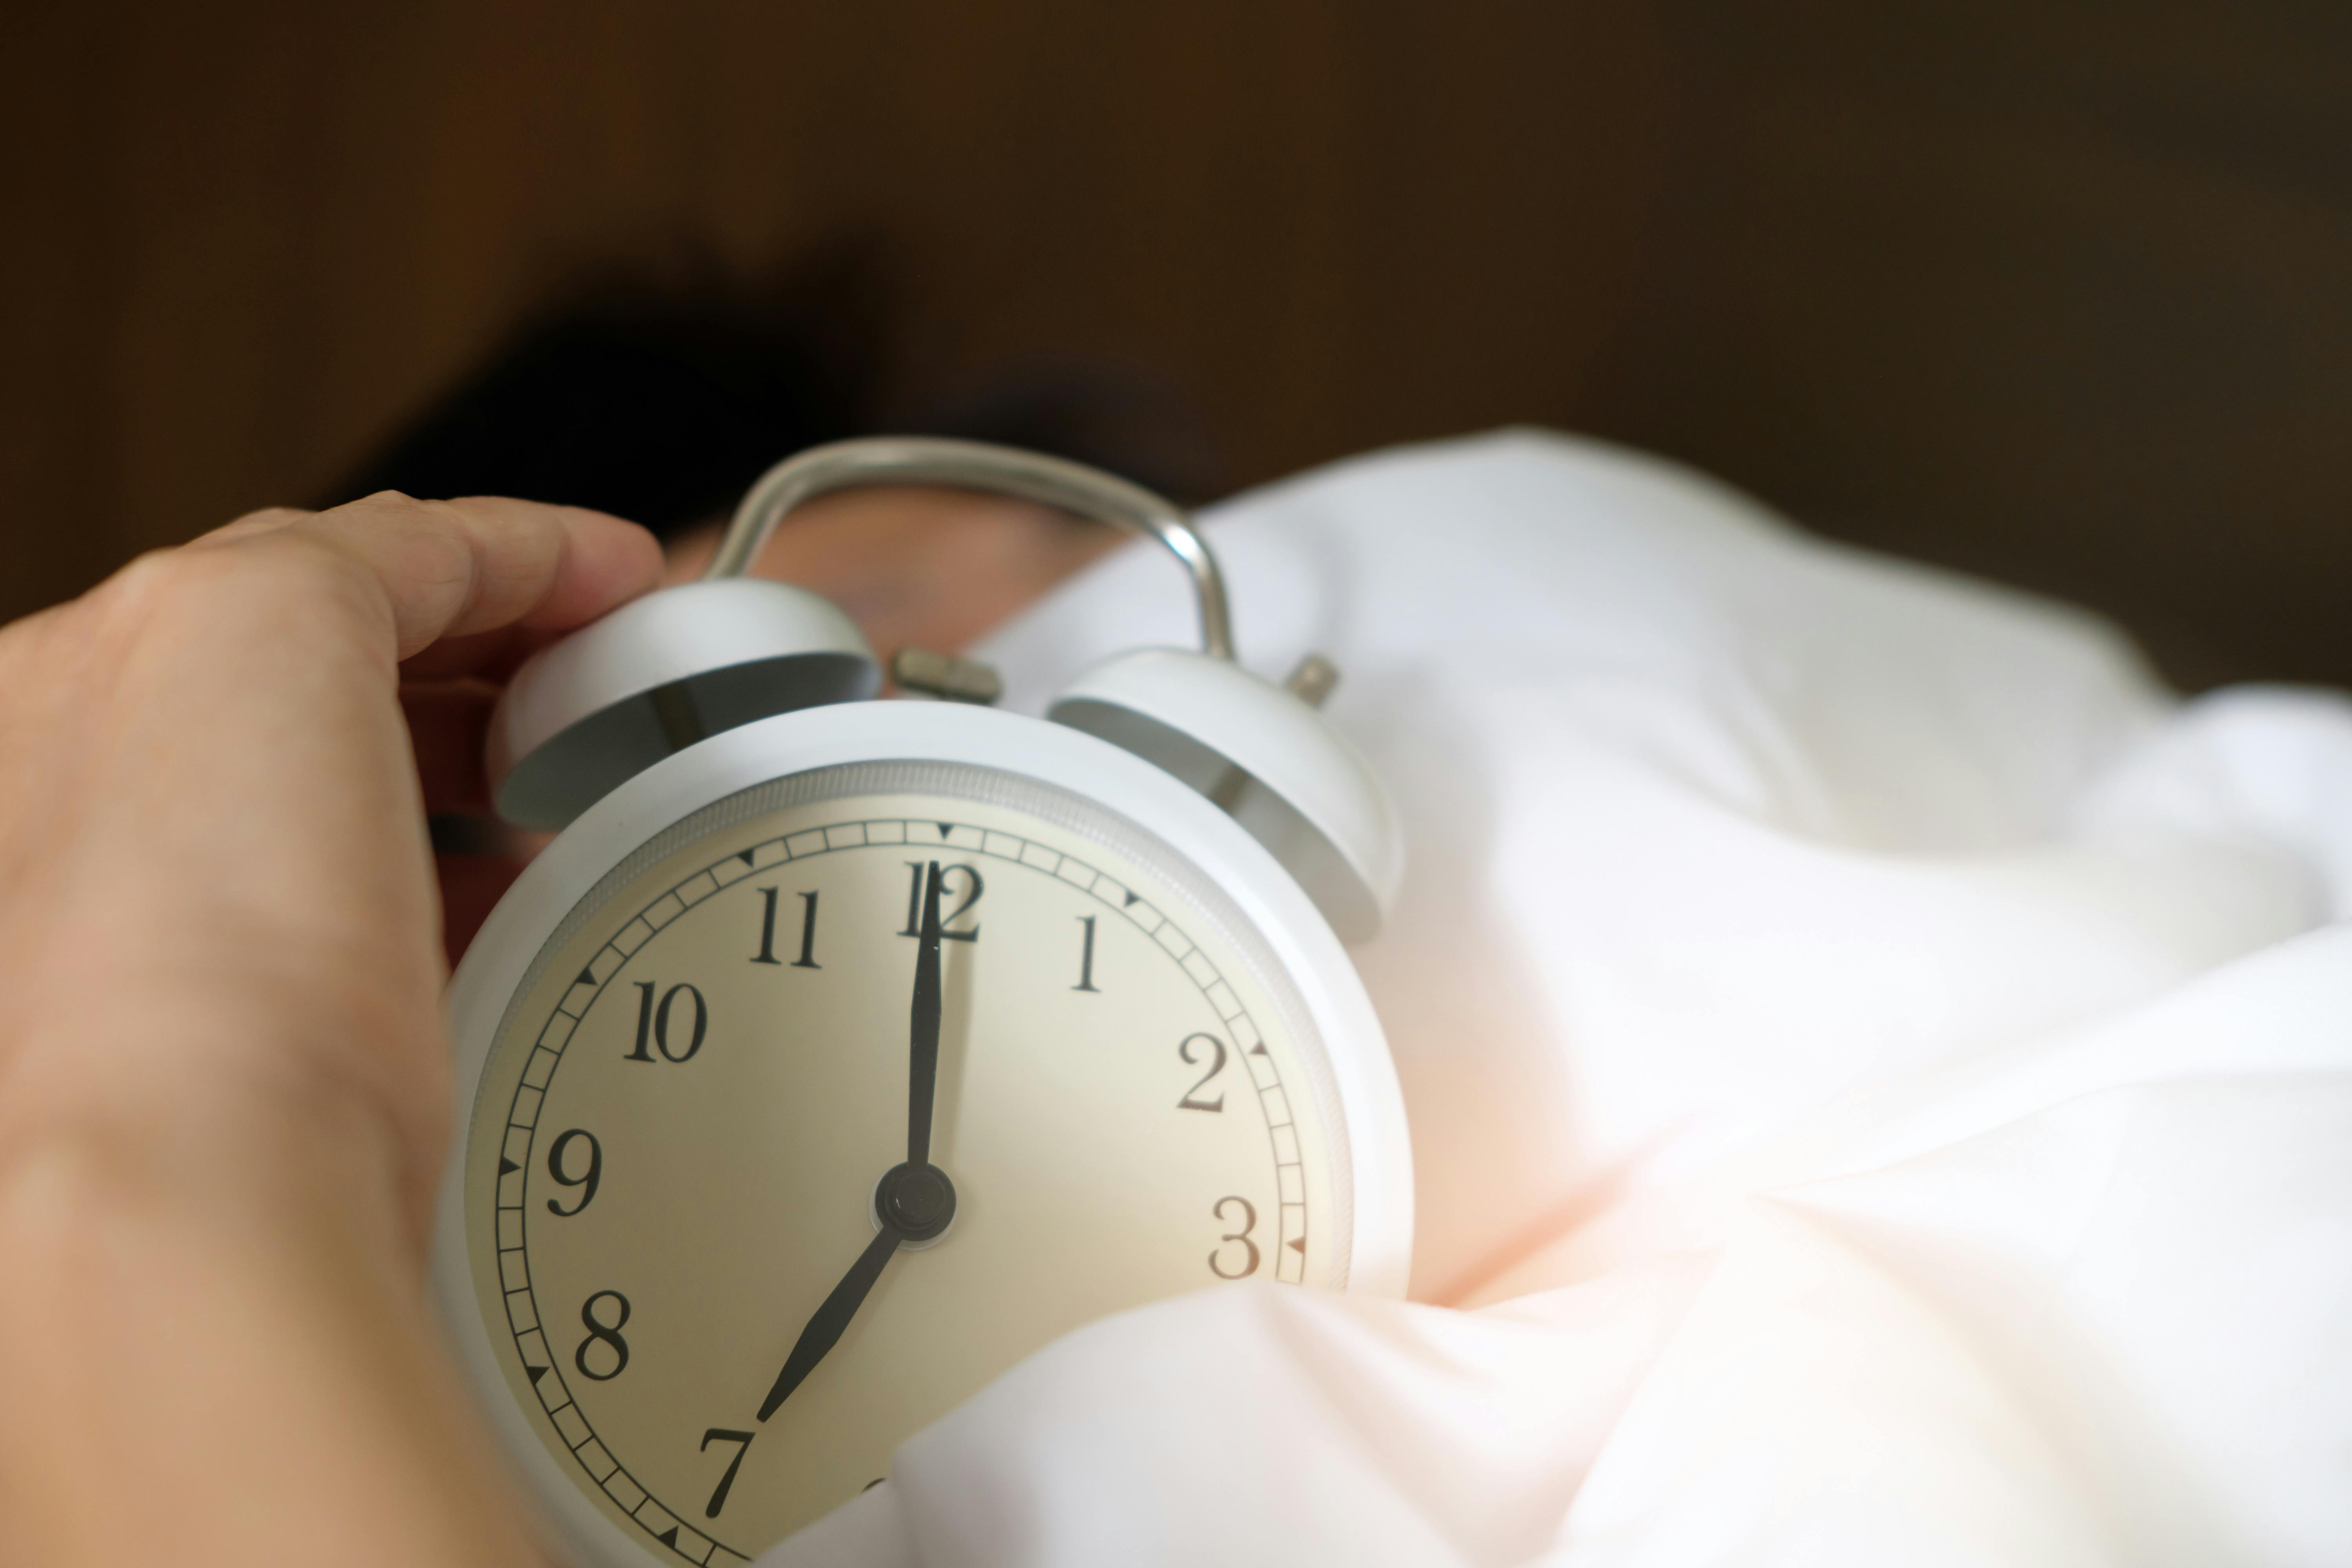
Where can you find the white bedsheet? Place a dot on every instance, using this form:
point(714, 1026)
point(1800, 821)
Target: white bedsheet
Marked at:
point(1880, 1074)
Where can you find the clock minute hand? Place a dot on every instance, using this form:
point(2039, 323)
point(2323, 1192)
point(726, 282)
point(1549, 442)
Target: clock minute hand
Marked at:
point(824, 1327)
point(923, 1033)
point(914, 1189)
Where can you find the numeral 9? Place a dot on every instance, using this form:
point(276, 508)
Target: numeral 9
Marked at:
point(589, 1182)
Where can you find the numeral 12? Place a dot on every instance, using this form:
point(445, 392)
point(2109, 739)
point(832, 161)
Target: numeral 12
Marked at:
point(915, 869)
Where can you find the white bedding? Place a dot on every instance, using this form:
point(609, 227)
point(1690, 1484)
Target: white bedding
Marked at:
point(1878, 1071)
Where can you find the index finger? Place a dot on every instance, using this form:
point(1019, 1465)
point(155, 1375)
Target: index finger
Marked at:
point(465, 568)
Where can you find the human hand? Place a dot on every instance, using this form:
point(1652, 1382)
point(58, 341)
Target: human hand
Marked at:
point(223, 1073)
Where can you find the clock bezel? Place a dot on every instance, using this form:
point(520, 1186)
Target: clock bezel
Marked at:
point(1370, 1105)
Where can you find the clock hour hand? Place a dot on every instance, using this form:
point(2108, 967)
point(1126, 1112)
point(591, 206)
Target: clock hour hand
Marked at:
point(923, 1032)
point(824, 1329)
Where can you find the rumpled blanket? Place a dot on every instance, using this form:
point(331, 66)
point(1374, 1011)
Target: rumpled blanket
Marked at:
point(1880, 1072)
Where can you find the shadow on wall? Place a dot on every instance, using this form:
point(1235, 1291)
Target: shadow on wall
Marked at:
point(663, 405)
point(2054, 291)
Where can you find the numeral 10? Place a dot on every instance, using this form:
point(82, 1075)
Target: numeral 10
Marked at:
point(653, 1023)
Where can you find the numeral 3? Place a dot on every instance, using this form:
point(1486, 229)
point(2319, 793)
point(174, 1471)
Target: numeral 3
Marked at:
point(1249, 1223)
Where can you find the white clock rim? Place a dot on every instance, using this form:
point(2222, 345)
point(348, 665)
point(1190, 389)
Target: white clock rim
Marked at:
point(1380, 1153)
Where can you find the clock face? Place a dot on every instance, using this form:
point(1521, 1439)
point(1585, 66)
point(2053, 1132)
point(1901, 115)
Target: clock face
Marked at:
point(675, 1156)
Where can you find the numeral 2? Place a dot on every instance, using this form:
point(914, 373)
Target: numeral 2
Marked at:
point(915, 869)
point(1191, 1100)
point(654, 1022)
point(767, 953)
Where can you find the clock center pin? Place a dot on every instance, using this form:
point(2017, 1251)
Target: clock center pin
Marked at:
point(916, 1201)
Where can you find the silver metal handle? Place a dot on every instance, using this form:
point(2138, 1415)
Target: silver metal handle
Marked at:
point(978, 466)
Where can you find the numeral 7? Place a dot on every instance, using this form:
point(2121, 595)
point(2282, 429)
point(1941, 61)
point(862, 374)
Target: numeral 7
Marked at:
point(743, 1442)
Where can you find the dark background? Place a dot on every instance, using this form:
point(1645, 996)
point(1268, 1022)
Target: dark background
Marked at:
point(2057, 290)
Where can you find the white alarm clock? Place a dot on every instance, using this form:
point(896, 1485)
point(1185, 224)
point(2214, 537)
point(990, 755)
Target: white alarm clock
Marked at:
point(841, 1052)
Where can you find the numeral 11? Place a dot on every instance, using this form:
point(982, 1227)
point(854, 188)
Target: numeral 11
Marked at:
point(767, 953)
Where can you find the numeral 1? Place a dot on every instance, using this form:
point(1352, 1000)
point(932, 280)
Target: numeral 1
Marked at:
point(644, 1022)
point(767, 953)
point(1087, 958)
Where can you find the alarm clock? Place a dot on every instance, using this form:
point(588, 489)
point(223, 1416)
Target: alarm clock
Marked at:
point(841, 1051)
